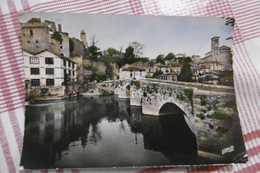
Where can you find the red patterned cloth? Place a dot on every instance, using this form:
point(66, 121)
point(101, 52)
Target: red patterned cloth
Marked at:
point(246, 72)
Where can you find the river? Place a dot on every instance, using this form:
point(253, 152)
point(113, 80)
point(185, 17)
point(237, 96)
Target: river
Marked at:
point(103, 131)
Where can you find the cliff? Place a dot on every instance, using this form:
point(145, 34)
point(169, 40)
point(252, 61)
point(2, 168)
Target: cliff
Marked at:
point(111, 70)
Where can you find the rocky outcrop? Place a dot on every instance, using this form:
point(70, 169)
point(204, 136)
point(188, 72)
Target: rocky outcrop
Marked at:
point(111, 70)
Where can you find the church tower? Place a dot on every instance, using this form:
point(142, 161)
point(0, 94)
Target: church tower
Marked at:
point(83, 37)
point(214, 45)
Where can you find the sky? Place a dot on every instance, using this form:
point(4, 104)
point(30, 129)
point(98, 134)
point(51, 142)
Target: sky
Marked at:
point(159, 34)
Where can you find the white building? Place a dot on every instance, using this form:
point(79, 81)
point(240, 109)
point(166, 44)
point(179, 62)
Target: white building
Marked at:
point(161, 67)
point(45, 68)
point(132, 73)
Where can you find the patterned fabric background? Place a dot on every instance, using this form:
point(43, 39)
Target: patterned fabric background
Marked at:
point(246, 67)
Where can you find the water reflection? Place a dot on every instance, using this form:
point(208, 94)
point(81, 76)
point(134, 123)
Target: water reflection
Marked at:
point(101, 132)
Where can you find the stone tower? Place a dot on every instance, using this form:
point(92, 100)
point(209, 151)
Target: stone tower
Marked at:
point(214, 45)
point(83, 37)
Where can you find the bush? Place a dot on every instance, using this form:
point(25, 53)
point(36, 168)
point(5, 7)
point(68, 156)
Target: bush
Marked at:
point(189, 94)
point(157, 73)
point(104, 92)
point(201, 116)
point(219, 115)
point(136, 84)
point(56, 35)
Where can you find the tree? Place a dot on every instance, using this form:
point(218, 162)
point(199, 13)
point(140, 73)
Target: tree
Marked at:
point(93, 40)
point(188, 59)
point(128, 58)
point(186, 73)
point(184, 59)
point(160, 59)
point(157, 73)
point(170, 57)
point(138, 48)
point(94, 52)
point(112, 51)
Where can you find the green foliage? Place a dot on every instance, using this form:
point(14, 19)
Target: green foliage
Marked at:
point(160, 59)
point(128, 58)
point(209, 108)
point(180, 97)
point(186, 73)
point(152, 90)
point(201, 116)
point(231, 104)
point(184, 59)
point(203, 110)
point(226, 74)
point(56, 36)
point(157, 73)
point(203, 102)
point(94, 52)
point(170, 57)
point(112, 51)
point(66, 80)
point(104, 92)
point(222, 130)
point(219, 115)
point(188, 93)
point(97, 77)
point(136, 84)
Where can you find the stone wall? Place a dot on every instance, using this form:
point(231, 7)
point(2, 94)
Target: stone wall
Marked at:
point(214, 113)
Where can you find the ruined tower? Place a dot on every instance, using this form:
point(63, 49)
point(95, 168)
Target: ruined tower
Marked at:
point(83, 37)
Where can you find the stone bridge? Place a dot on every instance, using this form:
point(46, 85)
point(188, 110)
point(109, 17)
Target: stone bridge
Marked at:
point(209, 110)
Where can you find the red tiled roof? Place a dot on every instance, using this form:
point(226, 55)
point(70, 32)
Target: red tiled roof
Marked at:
point(161, 65)
point(174, 64)
point(133, 69)
point(170, 73)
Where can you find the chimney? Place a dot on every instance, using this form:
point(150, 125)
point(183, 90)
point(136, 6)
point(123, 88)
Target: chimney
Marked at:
point(59, 27)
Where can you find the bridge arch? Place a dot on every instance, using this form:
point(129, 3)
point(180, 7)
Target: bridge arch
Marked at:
point(170, 108)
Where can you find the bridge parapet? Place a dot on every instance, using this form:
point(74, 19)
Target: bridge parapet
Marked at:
point(207, 87)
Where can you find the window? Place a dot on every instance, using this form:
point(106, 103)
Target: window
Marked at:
point(35, 82)
point(60, 47)
point(28, 41)
point(48, 60)
point(69, 64)
point(49, 82)
point(69, 73)
point(36, 41)
point(73, 73)
point(34, 60)
point(35, 71)
point(73, 65)
point(49, 70)
point(31, 32)
point(131, 74)
point(64, 63)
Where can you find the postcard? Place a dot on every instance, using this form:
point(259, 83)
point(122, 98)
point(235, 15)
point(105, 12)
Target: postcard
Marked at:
point(123, 90)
